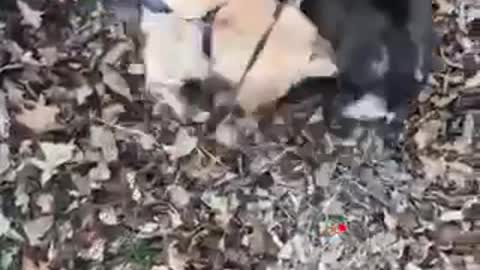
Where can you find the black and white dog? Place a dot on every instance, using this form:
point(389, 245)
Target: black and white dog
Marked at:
point(383, 53)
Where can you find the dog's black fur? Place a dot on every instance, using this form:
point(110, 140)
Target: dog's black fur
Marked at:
point(364, 31)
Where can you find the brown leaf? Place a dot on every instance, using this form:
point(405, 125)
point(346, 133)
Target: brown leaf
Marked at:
point(40, 119)
point(4, 224)
point(184, 145)
point(427, 133)
point(175, 259)
point(114, 80)
point(4, 117)
point(104, 139)
point(30, 16)
point(55, 155)
point(445, 7)
point(29, 264)
point(37, 228)
point(433, 167)
point(115, 54)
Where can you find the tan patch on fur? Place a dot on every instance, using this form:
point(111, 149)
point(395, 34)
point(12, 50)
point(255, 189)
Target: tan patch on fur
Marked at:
point(237, 28)
point(286, 53)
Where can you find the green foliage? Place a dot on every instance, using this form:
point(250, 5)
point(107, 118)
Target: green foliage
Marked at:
point(9, 255)
point(142, 254)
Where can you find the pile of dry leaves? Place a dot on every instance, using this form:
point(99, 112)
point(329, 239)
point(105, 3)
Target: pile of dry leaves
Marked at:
point(99, 173)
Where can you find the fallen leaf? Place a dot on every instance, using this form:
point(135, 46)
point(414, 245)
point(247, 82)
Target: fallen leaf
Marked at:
point(111, 112)
point(183, 145)
point(473, 81)
point(380, 241)
point(333, 207)
point(37, 228)
point(55, 155)
point(49, 55)
point(258, 240)
point(175, 259)
point(82, 93)
point(114, 80)
point(101, 172)
point(4, 158)
point(108, 216)
point(8, 257)
point(427, 133)
point(14, 93)
point(4, 224)
point(169, 96)
point(45, 201)
point(29, 264)
point(147, 141)
point(324, 173)
point(445, 7)
point(223, 206)
point(459, 173)
point(136, 69)
point(4, 117)
point(425, 94)
point(159, 267)
point(95, 252)
point(441, 102)
point(301, 246)
point(178, 196)
point(227, 134)
point(30, 16)
point(22, 198)
point(391, 221)
point(461, 167)
point(433, 168)
point(42, 118)
point(104, 139)
point(116, 52)
point(148, 228)
point(201, 117)
point(451, 215)
point(82, 184)
point(29, 59)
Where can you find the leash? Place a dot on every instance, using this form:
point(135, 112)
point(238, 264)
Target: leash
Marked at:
point(261, 44)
